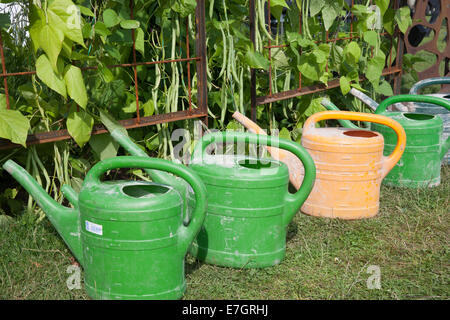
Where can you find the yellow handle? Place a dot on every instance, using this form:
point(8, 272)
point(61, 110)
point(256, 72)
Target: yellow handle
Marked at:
point(389, 162)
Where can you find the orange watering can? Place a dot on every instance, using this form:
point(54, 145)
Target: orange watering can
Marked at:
point(350, 165)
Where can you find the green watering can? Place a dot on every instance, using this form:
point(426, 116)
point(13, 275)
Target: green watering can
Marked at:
point(420, 165)
point(432, 108)
point(128, 235)
point(249, 206)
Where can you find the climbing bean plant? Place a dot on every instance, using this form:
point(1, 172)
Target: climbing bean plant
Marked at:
point(71, 43)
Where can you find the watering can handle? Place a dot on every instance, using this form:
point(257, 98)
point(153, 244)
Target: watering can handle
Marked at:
point(428, 82)
point(294, 201)
point(390, 161)
point(187, 233)
point(411, 98)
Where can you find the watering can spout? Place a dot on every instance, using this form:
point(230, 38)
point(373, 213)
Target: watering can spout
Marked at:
point(65, 220)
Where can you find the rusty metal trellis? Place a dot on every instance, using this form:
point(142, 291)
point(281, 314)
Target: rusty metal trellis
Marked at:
point(391, 69)
point(420, 19)
point(201, 112)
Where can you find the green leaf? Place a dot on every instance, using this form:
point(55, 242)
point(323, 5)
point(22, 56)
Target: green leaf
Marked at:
point(110, 18)
point(330, 12)
point(86, 11)
point(101, 29)
point(345, 85)
point(14, 126)
point(65, 15)
point(388, 21)
point(45, 72)
point(49, 38)
point(285, 134)
point(149, 108)
point(75, 85)
point(315, 7)
point(4, 20)
point(277, 6)
point(79, 124)
point(104, 146)
point(352, 53)
point(184, 7)
point(385, 89)
point(256, 60)
point(371, 37)
point(375, 68)
point(309, 67)
point(403, 18)
point(140, 44)
point(129, 24)
point(383, 5)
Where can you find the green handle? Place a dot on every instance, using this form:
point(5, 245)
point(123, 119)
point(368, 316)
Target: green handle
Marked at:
point(187, 233)
point(294, 201)
point(418, 98)
point(428, 82)
point(411, 98)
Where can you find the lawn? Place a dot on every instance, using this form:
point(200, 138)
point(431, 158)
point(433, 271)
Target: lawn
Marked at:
point(325, 258)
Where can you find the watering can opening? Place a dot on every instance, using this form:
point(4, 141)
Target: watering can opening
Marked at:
point(258, 164)
point(418, 116)
point(144, 191)
point(360, 134)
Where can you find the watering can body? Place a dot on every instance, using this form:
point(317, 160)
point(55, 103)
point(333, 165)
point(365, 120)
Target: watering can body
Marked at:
point(350, 165)
point(249, 206)
point(131, 237)
point(420, 165)
point(432, 109)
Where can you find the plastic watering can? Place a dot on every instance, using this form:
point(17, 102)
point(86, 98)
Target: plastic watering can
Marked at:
point(128, 235)
point(350, 165)
point(249, 205)
point(425, 148)
point(433, 109)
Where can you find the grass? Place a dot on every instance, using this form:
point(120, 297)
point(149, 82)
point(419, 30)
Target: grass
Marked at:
point(325, 258)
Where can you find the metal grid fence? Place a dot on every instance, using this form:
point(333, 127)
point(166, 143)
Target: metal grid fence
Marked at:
point(199, 59)
point(393, 68)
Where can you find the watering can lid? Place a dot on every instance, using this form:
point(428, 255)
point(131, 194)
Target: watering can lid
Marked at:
point(343, 136)
point(241, 171)
point(129, 200)
point(416, 121)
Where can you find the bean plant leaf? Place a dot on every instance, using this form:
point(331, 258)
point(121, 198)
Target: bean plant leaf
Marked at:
point(383, 5)
point(345, 85)
point(45, 72)
point(149, 108)
point(66, 15)
point(79, 124)
point(104, 146)
point(4, 20)
point(49, 38)
point(371, 37)
point(403, 18)
point(385, 89)
point(375, 68)
point(330, 11)
point(276, 7)
point(184, 7)
point(315, 7)
point(14, 126)
point(75, 85)
point(352, 53)
point(256, 60)
point(140, 42)
point(110, 18)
